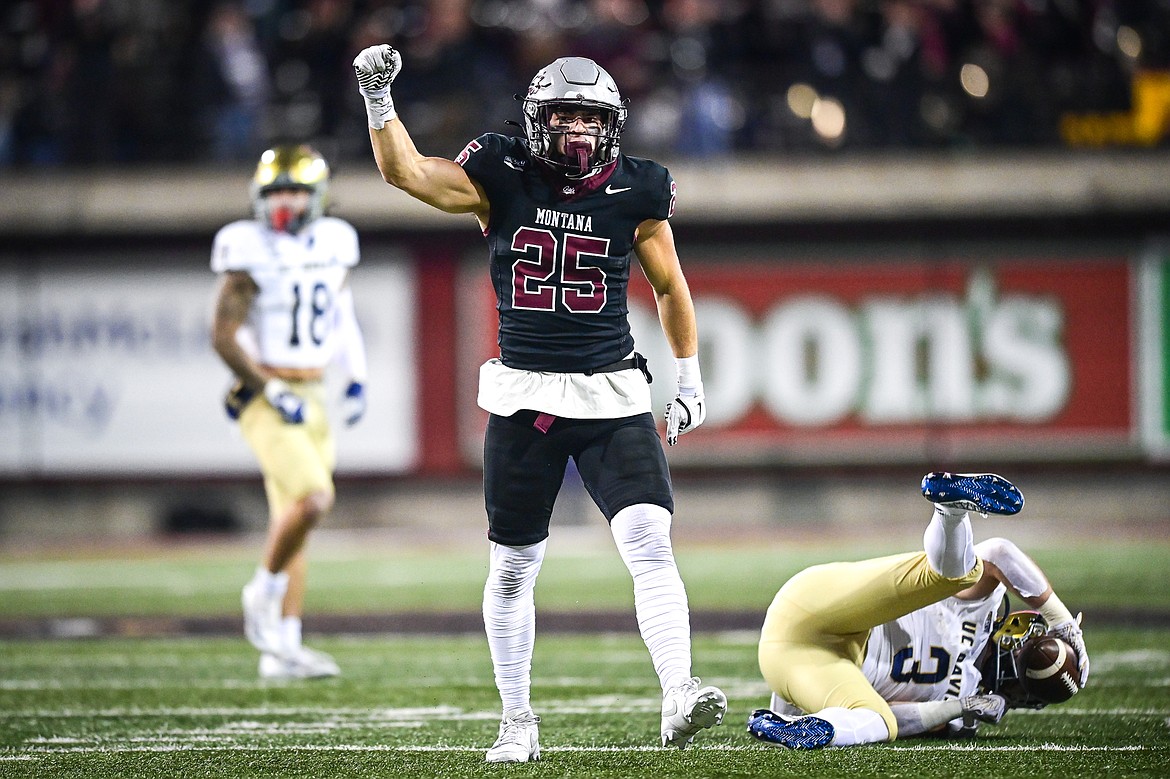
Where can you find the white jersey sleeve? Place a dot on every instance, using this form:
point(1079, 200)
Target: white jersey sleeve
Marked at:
point(299, 277)
point(238, 246)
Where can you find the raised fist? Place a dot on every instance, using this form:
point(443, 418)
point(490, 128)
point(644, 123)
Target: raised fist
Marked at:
point(376, 68)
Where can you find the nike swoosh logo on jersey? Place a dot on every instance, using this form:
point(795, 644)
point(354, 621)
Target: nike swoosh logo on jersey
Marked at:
point(610, 190)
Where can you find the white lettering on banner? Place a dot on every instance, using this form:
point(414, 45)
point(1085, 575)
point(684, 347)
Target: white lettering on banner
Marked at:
point(1030, 375)
point(68, 402)
point(816, 340)
point(161, 333)
point(113, 372)
point(813, 360)
point(922, 360)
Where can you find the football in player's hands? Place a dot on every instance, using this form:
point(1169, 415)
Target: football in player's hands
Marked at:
point(1048, 669)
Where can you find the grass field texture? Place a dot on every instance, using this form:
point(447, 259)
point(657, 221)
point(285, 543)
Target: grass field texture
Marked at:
point(425, 705)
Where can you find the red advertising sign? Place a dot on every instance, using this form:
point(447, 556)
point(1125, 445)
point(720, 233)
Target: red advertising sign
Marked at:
point(839, 362)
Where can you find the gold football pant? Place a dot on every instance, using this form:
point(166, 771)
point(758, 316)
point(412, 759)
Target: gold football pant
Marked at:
point(296, 460)
point(813, 641)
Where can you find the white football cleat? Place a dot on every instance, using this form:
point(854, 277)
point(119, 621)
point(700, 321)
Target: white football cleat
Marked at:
point(519, 740)
point(301, 663)
point(262, 613)
point(687, 709)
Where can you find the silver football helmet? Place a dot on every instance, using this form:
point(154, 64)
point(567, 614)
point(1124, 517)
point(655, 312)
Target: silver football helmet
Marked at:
point(573, 83)
point(290, 167)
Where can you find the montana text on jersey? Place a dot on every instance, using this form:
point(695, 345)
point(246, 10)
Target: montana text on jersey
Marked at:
point(561, 248)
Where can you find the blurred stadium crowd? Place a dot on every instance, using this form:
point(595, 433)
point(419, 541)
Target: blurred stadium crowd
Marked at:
point(104, 82)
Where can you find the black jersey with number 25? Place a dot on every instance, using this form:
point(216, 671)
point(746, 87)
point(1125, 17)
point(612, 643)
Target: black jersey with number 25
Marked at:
point(560, 253)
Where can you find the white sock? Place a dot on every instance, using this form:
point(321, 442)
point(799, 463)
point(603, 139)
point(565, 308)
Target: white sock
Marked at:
point(290, 632)
point(914, 719)
point(642, 533)
point(948, 541)
point(509, 617)
point(273, 584)
point(854, 726)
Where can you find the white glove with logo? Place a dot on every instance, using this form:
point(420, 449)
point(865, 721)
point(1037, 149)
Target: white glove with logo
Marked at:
point(686, 412)
point(1063, 624)
point(287, 403)
point(1070, 632)
point(376, 68)
point(688, 409)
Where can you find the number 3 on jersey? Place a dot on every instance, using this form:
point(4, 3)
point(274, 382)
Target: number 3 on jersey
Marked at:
point(906, 669)
point(547, 266)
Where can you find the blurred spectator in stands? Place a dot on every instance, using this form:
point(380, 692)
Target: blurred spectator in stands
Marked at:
point(618, 36)
point(704, 77)
point(692, 109)
point(904, 68)
point(453, 69)
point(310, 57)
point(25, 134)
point(82, 72)
point(105, 55)
point(369, 27)
point(807, 83)
point(231, 85)
point(1003, 77)
point(836, 36)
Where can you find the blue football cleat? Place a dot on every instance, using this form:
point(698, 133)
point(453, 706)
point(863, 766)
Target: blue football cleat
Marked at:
point(800, 733)
point(985, 493)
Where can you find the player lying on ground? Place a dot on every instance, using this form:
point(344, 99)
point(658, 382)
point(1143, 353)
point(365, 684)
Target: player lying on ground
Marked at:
point(869, 651)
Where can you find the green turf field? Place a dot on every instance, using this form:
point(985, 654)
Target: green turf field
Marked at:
point(425, 705)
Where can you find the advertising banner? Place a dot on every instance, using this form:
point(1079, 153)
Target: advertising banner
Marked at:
point(893, 360)
point(106, 368)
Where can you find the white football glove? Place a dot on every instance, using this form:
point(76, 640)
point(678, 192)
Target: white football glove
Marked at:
point(1070, 632)
point(287, 403)
point(376, 68)
point(353, 404)
point(686, 412)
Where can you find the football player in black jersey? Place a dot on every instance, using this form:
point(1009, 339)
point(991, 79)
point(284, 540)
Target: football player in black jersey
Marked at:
point(563, 212)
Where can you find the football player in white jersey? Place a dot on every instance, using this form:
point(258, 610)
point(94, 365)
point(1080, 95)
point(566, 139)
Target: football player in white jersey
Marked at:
point(869, 651)
point(283, 314)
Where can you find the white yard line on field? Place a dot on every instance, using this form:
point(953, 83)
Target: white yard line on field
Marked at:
point(33, 752)
point(599, 705)
point(1021, 748)
point(365, 714)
